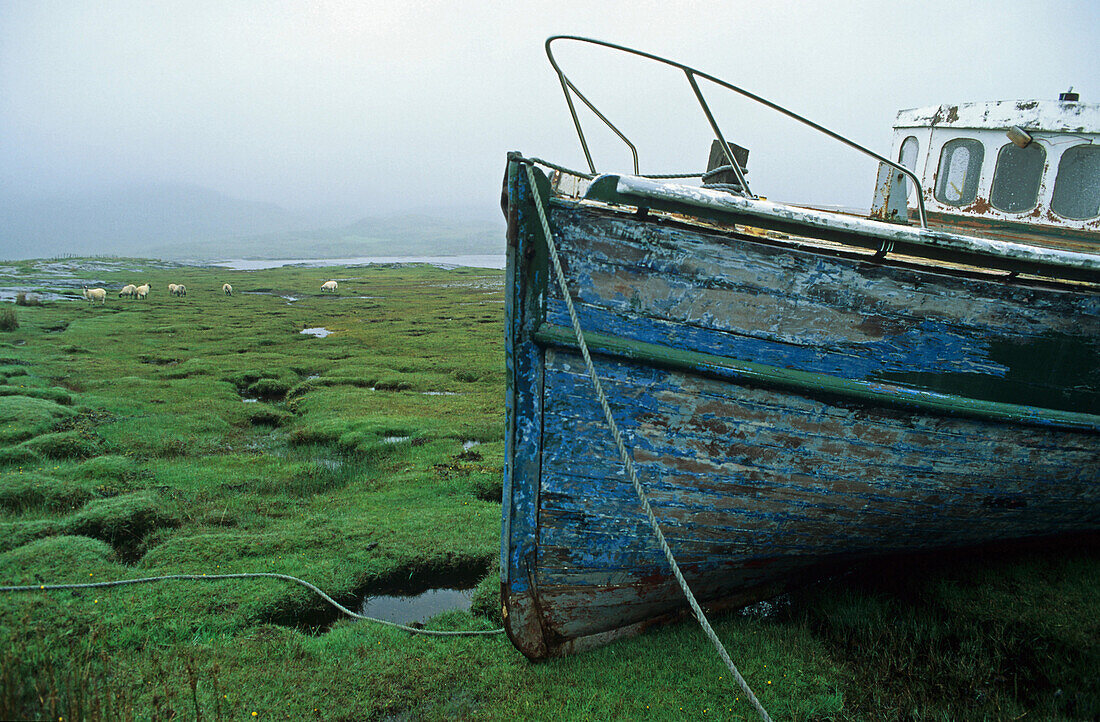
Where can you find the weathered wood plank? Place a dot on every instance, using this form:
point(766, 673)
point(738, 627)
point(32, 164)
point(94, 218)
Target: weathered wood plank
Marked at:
point(832, 315)
point(591, 527)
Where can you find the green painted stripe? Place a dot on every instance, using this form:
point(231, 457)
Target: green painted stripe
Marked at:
point(814, 383)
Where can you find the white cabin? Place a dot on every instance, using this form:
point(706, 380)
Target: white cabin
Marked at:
point(1035, 162)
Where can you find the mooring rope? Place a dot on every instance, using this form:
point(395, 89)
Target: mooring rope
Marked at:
point(628, 463)
point(249, 575)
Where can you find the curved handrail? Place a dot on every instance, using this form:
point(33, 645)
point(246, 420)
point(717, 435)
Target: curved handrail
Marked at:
point(568, 87)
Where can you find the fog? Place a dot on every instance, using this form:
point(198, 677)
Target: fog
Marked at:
point(340, 110)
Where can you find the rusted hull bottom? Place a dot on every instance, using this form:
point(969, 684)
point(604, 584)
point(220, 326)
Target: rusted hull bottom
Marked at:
point(757, 487)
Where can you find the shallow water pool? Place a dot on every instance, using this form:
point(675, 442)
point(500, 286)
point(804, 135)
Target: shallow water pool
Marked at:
point(419, 607)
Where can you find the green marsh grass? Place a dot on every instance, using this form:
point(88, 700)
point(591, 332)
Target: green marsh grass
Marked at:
point(8, 320)
point(205, 434)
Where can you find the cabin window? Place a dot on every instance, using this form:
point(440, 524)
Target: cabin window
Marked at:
point(960, 170)
point(1016, 179)
point(1077, 188)
point(907, 157)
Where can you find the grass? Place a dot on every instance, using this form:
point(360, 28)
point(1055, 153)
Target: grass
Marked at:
point(8, 320)
point(205, 434)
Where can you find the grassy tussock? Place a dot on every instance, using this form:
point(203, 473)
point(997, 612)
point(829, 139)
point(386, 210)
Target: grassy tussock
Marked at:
point(24, 492)
point(486, 602)
point(112, 467)
point(24, 417)
point(17, 456)
point(17, 534)
point(59, 396)
point(8, 320)
point(122, 521)
point(64, 445)
point(269, 416)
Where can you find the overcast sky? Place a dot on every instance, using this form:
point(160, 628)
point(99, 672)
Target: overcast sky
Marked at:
point(386, 106)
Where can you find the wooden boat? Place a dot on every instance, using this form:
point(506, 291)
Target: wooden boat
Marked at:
point(798, 388)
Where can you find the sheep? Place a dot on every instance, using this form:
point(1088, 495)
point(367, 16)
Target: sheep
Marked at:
point(177, 289)
point(172, 289)
point(95, 294)
point(328, 286)
point(128, 291)
point(227, 289)
point(142, 290)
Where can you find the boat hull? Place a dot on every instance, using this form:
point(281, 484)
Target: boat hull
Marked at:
point(789, 409)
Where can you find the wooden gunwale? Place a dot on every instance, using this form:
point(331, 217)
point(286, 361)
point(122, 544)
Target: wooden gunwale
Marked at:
point(1011, 256)
point(848, 248)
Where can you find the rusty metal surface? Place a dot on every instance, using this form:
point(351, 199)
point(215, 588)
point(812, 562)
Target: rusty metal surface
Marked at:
point(1048, 235)
point(758, 486)
point(1044, 115)
point(1055, 127)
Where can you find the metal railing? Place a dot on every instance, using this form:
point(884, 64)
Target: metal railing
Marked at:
point(569, 89)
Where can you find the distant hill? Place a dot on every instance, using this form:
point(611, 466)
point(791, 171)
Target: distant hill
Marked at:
point(189, 222)
point(400, 235)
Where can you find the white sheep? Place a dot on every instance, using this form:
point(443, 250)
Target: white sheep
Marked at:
point(172, 289)
point(181, 290)
point(96, 294)
point(128, 291)
point(227, 289)
point(329, 286)
point(143, 290)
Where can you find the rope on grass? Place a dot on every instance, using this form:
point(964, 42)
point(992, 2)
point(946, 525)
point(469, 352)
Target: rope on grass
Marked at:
point(249, 575)
point(626, 459)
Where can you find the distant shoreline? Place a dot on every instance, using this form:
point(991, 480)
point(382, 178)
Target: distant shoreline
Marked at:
point(471, 261)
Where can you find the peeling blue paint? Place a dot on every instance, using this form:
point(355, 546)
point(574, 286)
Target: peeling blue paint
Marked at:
point(758, 484)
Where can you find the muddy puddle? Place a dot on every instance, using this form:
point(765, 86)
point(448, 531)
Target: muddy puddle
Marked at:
point(410, 597)
point(61, 289)
point(489, 285)
point(289, 298)
point(413, 608)
point(9, 294)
